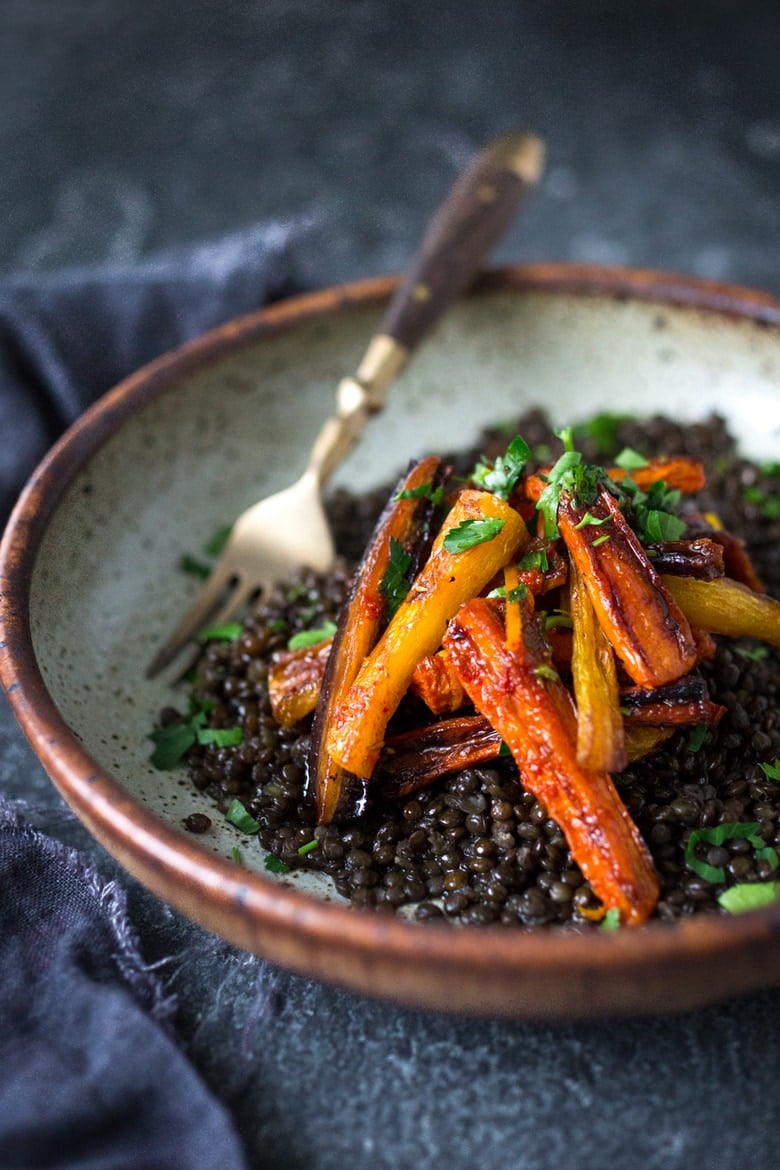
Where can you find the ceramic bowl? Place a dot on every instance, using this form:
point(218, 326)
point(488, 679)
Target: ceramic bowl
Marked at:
point(91, 585)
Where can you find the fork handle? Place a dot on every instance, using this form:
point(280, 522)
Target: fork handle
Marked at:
point(475, 213)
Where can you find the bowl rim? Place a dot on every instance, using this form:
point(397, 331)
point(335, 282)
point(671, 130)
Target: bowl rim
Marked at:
point(333, 941)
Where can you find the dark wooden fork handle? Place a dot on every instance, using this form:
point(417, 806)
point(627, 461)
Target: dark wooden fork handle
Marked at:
point(466, 226)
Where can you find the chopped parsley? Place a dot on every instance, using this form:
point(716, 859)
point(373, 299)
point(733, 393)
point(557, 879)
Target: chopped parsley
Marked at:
point(652, 513)
point(697, 737)
point(174, 740)
point(518, 593)
point(536, 559)
point(394, 585)
point(276, 865)
point(423, 491)
point(717, 835)
point(589, 520)
point(611, 920)
point(312, 637)
point(227, 632)
point(235, 853)
point(570, 475)
point(771, 771)
point(749, 896)
point(469, 533)
point(630, 460)
point(752, 653)
point(220, 736)
point(501, 477)
point(238, 815)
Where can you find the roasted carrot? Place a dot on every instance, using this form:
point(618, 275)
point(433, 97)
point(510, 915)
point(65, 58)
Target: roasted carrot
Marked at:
point(529, 707)
point(641, 741)
point(413, 759)
point(701, 557)
point(642, 621)
point(727, 607)
point(600, 744)
point(464, 558)
point(685, 701)
point(679, 472)
point(435, 682)
point(360, 624)
point(294, 681)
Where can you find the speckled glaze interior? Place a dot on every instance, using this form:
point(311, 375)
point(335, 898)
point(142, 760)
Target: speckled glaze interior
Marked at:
point(91, 557)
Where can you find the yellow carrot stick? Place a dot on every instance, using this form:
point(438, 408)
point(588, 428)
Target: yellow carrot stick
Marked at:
point(449, 577)
point(727, 607)
point(600, 742)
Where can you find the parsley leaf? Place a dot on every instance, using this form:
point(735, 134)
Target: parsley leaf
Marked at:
point(536, 559)
point(312, 637)
point(771, 771)
point(630, 460)
point(238, 815)
point(220, 736)
point(752, 653)
point(502, 476)
point(276, 865)
point(423, 491)
point(470, 533)
point(727, 831)
point(611, 920)
point(228, 632)
point(749, 896)
point(697, 737)
point(171, 744)
point(395, 584)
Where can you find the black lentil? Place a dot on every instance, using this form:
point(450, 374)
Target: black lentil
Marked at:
point(475, 847)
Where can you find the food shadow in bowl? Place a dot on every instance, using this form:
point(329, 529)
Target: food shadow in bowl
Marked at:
point(92, 584)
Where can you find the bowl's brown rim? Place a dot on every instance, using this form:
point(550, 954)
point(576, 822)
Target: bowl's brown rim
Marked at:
point(238, 902)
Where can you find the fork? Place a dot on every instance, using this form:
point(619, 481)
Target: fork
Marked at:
point(289, 529)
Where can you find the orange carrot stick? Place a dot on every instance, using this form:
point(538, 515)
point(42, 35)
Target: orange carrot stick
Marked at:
point(645, 625)
point(532, 711)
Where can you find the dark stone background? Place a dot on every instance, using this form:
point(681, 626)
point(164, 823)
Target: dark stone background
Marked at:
point(130, 127)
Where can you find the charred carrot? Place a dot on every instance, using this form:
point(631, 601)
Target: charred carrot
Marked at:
point(360, 624)
point(701, 557)
point(685, 701)
point(642, 621)
point(415, 758)
point(294, 681)
point(529, 707)
point(435, 682)
point(480, 535)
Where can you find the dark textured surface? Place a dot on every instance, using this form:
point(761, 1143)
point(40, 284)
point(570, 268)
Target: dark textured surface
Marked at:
point(127, 128)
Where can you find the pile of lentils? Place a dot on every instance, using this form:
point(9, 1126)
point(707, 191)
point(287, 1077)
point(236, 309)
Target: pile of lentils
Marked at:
point(475, 847)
